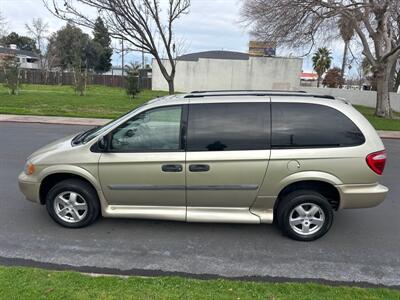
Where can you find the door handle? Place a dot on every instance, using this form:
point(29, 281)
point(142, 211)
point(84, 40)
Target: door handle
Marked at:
point(172, 168)
point(199, 168)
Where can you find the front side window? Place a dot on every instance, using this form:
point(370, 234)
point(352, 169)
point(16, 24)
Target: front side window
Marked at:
point(304, 125)
point(153, 130)
point(228, 126)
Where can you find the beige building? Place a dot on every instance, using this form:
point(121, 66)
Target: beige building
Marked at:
point(231, 71)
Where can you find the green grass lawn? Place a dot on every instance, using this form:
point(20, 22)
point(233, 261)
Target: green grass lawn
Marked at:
point(99, 102)
point(105, 102)
point(28, 283)
point(380, 123)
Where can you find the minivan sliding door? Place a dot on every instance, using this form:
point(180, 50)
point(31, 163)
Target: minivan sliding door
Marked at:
point(227, 157)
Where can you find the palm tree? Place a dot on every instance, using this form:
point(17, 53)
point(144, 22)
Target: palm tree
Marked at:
point(322, 60)
point(346, 32)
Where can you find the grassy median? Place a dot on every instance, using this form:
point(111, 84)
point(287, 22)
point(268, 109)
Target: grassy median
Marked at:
point(106, 102)
point(29, 283)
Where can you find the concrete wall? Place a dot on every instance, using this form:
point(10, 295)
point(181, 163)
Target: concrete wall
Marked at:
point(366, 98)
point(218, 74)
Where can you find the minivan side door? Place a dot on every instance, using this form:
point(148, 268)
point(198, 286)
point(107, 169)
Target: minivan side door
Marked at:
point(144, 170)
point(226, 161)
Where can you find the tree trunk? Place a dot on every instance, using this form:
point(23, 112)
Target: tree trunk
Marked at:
point(169, 77)
point(346, 46)
point(171, 86)
point(318, 80)
point(383, 108)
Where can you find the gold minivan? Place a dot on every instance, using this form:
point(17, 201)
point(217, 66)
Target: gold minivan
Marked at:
point(291, 158)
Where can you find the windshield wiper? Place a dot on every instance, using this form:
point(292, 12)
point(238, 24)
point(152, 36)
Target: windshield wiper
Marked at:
point(81, 137)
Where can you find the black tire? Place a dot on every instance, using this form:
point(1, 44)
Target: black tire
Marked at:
point(293, 200)
point(85, 191)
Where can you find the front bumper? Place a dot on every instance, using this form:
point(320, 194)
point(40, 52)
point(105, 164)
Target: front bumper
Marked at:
point(361, 195)
point(29, 188)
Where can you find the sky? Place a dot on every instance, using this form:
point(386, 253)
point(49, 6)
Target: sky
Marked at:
point(210, 25)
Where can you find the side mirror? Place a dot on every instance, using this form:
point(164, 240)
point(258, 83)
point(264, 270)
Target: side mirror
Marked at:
point(102, 143)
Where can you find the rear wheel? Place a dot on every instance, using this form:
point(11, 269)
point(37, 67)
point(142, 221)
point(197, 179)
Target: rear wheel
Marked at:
point(304, 215)
point(73, 203)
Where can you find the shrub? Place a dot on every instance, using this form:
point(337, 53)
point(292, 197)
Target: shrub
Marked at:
point(11, 74)
point(132, 80)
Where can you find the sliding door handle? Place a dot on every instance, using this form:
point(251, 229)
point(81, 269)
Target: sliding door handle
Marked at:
point(199, 168)
point(172, 168)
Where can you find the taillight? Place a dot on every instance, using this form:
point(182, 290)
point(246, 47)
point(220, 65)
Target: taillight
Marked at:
point(376, 161)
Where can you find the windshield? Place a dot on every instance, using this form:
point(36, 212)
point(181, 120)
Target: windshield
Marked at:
point(90, 134)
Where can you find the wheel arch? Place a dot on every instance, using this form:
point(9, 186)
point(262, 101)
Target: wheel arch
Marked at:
point(325, 188)
point(52, 177)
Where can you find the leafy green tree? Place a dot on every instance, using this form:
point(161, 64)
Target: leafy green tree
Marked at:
point(22, 42)
point(103, 41)
point(74, 51)
point(132, 80)
point(70, 42)
point(322, 60)
point(10, 66)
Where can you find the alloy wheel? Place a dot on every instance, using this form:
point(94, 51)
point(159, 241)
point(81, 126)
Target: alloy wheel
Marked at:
point(306, 219)
point(70, 207)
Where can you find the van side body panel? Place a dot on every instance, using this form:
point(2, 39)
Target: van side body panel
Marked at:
point(345, 168)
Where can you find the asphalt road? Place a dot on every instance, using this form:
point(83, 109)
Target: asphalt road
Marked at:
point(362, 246)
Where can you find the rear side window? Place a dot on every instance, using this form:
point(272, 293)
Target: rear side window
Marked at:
point(228, 126)
point(303, 125)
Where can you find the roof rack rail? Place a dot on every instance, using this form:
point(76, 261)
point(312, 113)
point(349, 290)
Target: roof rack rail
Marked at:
point(260, 94)
point(243, 91)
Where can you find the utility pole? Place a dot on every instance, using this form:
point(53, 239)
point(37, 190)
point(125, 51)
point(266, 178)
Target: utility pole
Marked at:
point(123, 54)
point(143, 66)
point(142, 56)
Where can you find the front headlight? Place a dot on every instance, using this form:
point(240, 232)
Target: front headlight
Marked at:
point(29, 168)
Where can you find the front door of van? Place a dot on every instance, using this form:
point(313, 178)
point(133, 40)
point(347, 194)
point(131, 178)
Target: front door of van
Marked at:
point(226, 161)
point(144, 171)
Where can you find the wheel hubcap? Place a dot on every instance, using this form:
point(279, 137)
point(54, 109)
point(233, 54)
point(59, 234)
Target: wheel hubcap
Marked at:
point(307, 218)
point(70, 207)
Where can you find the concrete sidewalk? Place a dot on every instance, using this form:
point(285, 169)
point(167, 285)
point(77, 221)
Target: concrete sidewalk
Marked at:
point(53, 120)
point(98, 122)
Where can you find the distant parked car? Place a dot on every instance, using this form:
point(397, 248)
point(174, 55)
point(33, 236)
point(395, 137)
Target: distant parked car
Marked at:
point(238, 156)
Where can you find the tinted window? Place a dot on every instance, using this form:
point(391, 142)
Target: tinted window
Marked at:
point(311, 125)
point(153, 130)
point(228, 126)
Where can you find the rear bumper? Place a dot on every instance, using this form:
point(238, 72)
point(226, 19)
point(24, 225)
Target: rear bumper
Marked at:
point(361, 195)
point(29, 188)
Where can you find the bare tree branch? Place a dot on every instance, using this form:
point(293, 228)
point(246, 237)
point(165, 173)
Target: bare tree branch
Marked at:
point(298, 23)
point(139, 22)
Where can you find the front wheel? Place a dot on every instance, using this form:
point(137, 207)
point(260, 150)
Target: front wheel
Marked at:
point(73, 203)
point(305, 215)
